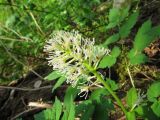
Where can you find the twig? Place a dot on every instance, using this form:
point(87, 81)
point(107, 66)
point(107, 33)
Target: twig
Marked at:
point(144, 74)
point(26, 89)
point(24, 112)
point(129, 73)
point(6, 29)
point(35, 21)
point(40, 105)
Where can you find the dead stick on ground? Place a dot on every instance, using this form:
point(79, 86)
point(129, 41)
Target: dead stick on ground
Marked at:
point(25, 112)
point(26, 89)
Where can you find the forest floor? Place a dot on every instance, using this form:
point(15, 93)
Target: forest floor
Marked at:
point(15, 97)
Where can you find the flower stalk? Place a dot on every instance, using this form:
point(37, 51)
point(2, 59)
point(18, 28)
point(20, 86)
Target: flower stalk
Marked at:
point(107, 87)
point(77, 58)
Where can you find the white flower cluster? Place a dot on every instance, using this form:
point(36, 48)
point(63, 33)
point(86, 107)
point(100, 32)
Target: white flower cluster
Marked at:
point(67, 53)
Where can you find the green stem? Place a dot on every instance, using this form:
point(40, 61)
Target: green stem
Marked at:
point(90, 68)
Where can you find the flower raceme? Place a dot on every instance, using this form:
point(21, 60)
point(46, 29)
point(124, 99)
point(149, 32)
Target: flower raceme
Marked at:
point(68, 51)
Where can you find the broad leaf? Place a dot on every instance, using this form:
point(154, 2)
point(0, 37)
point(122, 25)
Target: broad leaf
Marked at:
point(142, 38)
point(114, 14)
point(107, 61)
point(156, 108)
point(96, 94)
point(112, 84)
point(128, 25)
point(53, 75)
point(131, 97)
point(153, 92)
point(112, 39)
point(110, 60)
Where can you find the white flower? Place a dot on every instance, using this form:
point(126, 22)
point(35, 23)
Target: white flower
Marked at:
point(67, 53)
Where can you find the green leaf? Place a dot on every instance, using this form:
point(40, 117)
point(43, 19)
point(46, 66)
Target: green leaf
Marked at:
point(139, 110)
point(115, 52)
point(88, 113)
point(69, 113)
point(143, 39)
point(58, 109)
point(128, 25)
point(110, 60)
point(59, 83)
point(123, 13)
point(154, 32)
point(107, 61)
point(53, 75)
point(111, 39)
point(82, 107)
point(131, 97)
point(156, 108)
point(112, 84)
point(153, 92)
point(114, 14)
point(145, 112)
point(39, 116)
point(71, 93)
point(102, 109)
point(96, 94)
point(71, 110)
point(138, 58)
point(48, 113)
point(131, 116)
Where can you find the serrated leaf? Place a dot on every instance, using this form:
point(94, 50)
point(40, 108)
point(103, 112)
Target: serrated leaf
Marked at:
point(110, 60)
point(53, 75)
point(111, 39)
point(156, 108)
point(153, 92)
point(128, 25)
point(131, 97)
point(124, 13)
point(96, 94)
point(112, 84)
point(142, 38)
point(114, 14)
point(60, 81)
point(138, 59)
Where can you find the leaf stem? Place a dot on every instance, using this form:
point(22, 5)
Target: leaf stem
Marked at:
point(91, 69)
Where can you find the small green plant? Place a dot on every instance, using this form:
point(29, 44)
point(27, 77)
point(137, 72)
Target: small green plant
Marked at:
point(78, 60)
